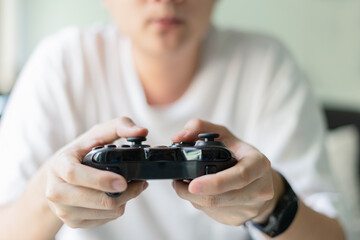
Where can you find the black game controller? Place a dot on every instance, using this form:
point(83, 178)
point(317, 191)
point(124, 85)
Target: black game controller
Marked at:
point(178, 161)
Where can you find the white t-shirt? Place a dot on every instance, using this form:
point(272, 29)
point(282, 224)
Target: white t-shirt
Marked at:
point(247, 82)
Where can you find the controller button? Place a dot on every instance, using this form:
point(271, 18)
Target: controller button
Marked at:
point(96, 148)
point(110, 146)
point(210, 169)
point(209, 140)
point(137, 141)
point(182, 144)
point(186, 144)
point(209, 137)
point(124, 146)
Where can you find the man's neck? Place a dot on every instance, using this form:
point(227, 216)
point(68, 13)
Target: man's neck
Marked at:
point(166, 78)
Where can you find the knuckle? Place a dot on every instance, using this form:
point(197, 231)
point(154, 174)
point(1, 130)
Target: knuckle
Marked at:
point(254, 212)
point(62, 214)
point(197, 206)
point(267, 193)
point(210, 201)
point(244, 174)
point(257, 212)
point(108, 203)
point(52, 195)
point(120, 211)
point(69, 172)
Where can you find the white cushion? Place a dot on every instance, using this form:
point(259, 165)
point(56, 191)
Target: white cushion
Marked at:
point(343, 148)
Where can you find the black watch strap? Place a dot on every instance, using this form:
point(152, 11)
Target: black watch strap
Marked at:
point(283, 214)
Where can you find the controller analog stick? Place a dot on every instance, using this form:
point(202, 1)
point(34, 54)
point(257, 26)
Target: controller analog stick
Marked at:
point(136, 141)
point(209, 140)
point(209, 137)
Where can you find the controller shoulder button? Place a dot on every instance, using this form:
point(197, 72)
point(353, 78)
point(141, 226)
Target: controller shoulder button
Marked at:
point(124, 146)
point(96, 148)
point(110, 146)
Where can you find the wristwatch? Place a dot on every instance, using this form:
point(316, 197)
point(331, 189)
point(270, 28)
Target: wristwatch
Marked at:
point(283, 214)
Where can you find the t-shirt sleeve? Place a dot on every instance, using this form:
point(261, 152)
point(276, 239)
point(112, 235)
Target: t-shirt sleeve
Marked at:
point(290, 131)
point(32, 127)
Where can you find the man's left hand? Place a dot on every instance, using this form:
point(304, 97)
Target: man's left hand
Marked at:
point(247, 191)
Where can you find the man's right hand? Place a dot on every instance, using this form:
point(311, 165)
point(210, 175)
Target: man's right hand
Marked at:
point(76, 193)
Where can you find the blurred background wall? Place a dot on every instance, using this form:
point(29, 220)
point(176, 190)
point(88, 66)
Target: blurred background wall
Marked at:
point(324, 35)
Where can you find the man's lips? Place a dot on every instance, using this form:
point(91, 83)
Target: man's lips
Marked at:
point(168, 22)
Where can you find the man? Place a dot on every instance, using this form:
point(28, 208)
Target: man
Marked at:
point(164, 68)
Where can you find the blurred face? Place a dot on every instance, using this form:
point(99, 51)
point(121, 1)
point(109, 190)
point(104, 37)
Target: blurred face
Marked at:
point(162, 26)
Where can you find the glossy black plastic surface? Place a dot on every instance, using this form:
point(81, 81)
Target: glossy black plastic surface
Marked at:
point(178, 161)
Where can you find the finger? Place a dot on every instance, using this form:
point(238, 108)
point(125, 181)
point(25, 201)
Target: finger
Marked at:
point(255, 193)
point(71, 213)
point(93, 223)
point(69, 170)
point(86, 223)
point(195, 126)
point(242, 174)
point(108, 132)
point(65, 194)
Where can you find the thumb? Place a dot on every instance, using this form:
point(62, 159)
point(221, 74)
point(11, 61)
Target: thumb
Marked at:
point(195, 126)
point(106, 133)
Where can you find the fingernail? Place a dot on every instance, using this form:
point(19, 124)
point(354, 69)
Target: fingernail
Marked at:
point(119, 185)
point(145, 185)
point(173, 184)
